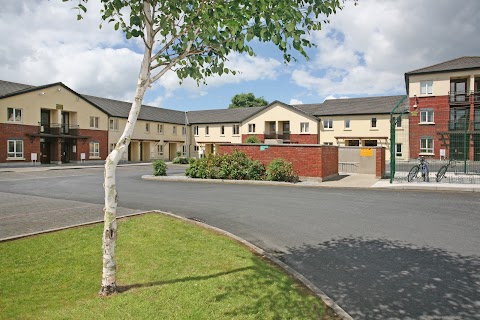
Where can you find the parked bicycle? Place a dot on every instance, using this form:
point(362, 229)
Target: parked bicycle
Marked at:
point(441, 173)
point(421, 167)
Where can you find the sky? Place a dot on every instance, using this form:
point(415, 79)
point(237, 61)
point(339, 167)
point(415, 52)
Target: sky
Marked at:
point(365, 50)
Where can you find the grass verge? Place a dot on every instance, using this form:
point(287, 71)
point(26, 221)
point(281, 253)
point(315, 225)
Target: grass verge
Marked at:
point(167, 269)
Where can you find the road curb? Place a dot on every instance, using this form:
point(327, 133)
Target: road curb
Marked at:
point(289, 270)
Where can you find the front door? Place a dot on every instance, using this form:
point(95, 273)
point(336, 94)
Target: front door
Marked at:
point(66, 151)
point(45, 152)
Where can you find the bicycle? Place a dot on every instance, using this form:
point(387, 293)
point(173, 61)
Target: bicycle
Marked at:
point(441, 173)
point(422, 166)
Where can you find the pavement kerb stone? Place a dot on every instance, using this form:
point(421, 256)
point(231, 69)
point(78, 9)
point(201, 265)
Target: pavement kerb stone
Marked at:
point(326, 299)
point(69, 167)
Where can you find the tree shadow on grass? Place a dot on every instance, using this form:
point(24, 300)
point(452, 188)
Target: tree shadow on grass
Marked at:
point(381, 279)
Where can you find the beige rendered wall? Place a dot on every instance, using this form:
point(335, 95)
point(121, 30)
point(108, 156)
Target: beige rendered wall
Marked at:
point(360, 129)
point(279, 113)
point(214, 136)
point(441, 82)
point(32, 102)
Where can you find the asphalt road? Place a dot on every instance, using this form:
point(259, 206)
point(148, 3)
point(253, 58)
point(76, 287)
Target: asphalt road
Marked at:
point(380, 254)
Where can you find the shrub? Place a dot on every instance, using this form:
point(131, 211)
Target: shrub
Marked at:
point(159, 168)
point(178, 154)
point(180, 160)
point(252, 139)
point(236, 166)
point(281, 170)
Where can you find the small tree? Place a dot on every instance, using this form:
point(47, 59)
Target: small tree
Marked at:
point(247, 100)
point(252, 139)
point(193, 38)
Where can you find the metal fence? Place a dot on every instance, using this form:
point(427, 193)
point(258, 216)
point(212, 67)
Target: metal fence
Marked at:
point(455, 135)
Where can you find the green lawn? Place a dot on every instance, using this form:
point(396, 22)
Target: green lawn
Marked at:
point(167, 269)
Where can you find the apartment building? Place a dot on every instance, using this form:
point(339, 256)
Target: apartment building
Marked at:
point(445, 109)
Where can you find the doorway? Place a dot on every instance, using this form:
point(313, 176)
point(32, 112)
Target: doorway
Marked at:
point(45, 152)
point(66, 151)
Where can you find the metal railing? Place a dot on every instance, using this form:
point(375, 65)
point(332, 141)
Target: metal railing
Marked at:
point(284, 135)
point(59, 129)
point(464, 97)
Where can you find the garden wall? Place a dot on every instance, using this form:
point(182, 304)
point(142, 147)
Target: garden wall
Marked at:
point(308, 160)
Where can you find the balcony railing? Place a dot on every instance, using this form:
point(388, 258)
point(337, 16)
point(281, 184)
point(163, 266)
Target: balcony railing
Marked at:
point(463, 126)
point(284, 135)
point(464, 97)
point(59, 129)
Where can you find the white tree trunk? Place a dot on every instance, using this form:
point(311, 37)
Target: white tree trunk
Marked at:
point(109, 281)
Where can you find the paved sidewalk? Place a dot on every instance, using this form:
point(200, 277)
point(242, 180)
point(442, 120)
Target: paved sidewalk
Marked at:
point(24, 215)
point(39, 167)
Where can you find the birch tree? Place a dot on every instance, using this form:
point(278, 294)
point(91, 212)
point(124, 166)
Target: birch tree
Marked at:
point(194, 38)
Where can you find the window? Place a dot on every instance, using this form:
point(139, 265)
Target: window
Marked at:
point(94, 121)
point(196, 148)
point(327, 123)
point(398, 150)
point(304, 127)
point(207, 130)
point(184, 131)
point(426, 145)
point(426, 87)
point(373, 123)
point(112, 147)
point(426, 116)
point(113, 124)
point(222, 130)
point(94, 150)
point(347, 124)
point(195, 130)
point(160, 150)
point(236, 129)
point(352, 143)
point(160, 128)
point(174, 130)
point(147, 127)
point(328, 143)
point(370, 143)
point(14, 115)
point(251, 127)
point(184, 149)
point(15, 149)
point(398, 123)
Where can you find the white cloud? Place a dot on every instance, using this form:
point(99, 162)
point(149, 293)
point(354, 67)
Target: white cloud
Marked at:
point(295, 101)
point(367, 48)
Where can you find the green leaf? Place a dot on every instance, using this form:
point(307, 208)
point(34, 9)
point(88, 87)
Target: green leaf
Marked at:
point(117, 25)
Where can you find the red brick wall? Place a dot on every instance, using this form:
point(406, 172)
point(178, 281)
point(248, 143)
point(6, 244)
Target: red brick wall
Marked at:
point(308, 160)
point(380, 162)
point(304, 138)
point(83, 145)
point(19, 131)
point(441, 109)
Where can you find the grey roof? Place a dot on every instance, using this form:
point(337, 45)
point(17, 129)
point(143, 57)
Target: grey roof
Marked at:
point(235, 115)
point(354, 106)
point(462, 63)
point(7, 87)
point(121, 109)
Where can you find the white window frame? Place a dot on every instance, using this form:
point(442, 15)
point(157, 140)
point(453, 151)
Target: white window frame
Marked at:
point(328, 143)
point(424, 148)
point(160, 149)
point(251, 128)
point(374, 123)
point(346, 124)
point(195, 130)
point(196, 148)
point(424, 116)
point(159, 128)
point(94, 122)
point(207, 130)
point(112, 147)
point(14, 114)
point(174, 130)
point(222, 130)
point(426, 87)
point(398, 150)
point(184, 150)
point(15, 154)
point(236, 129)
point(147, 127)
point(184, 131)
point(113, 124)
point(327, 123)
point(96, 150)
point(304, 127)
point(398, 123)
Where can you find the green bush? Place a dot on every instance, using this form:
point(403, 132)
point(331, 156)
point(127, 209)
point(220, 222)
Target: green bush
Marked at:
point(252, 139)
point(178, 154)
point(236, 166)
point(281, 170)
point(159, 168)
point(180, 160)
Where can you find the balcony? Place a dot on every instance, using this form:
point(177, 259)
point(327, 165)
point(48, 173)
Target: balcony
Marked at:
point(283, 135)
point(58, 129)
point(463, 126)
point(464, 97)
